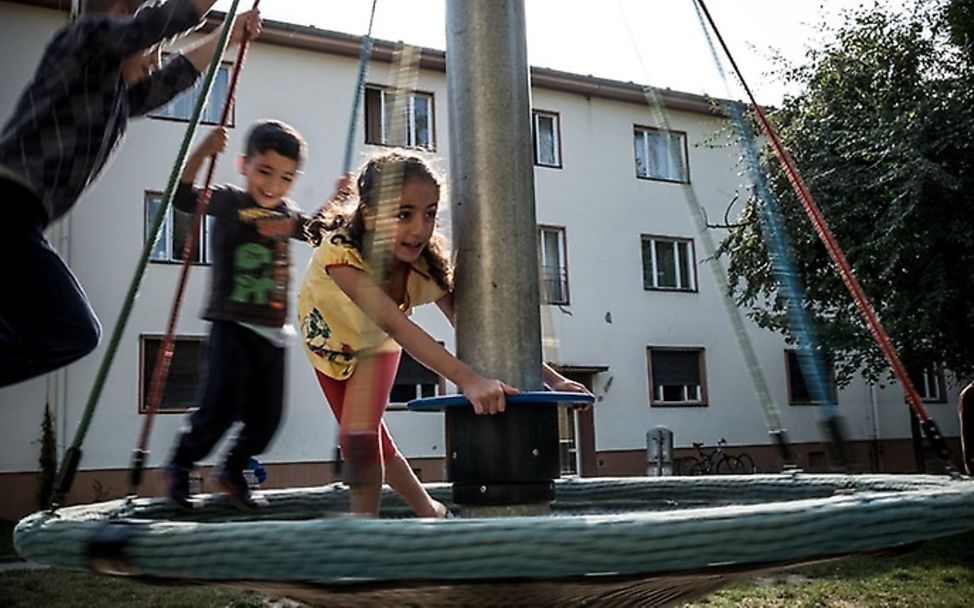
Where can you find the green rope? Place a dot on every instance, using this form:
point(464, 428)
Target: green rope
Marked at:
point(759, 384)
point(73, 455)
point(363, 67)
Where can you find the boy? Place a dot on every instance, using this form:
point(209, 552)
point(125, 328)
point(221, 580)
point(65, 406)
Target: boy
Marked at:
point(94, 75)
point(247, 305)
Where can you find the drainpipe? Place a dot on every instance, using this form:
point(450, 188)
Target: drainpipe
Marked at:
point(877, 444)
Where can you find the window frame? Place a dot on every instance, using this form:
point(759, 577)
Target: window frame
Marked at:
point(791, 359)
point(702, 399)
point(536, 116)
point(146, 369)
point(645, 131)
point(203, 257)
point(384, 137)
point(939, 379)
point(568, 450)
point(210, 114)
point(562, 267)
point(691, 264)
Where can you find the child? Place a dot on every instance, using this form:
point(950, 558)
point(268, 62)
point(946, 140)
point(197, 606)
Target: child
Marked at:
point(353, 309)
point(247, 306)
point(94, 75)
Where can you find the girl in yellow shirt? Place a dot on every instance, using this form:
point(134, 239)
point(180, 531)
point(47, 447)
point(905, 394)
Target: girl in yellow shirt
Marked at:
point(375, 263)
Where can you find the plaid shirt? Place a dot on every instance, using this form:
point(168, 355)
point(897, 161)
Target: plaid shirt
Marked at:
point(73, 114)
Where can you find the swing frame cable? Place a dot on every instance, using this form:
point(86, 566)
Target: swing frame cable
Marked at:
point(777, 245)
point(759, 384)
point(73, 454)
point(842, 265)
point(363, 67)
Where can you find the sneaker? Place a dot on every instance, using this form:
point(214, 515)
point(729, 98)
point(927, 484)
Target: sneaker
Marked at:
point(177, 486)
point(238, 490)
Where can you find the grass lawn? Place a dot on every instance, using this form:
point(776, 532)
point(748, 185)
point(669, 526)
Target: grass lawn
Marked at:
point(938, 574)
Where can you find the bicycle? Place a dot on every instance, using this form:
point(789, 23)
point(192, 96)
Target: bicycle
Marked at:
point(719, 461)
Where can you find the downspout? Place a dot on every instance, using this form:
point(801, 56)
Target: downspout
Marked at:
point(59, 379)
point(877, 444)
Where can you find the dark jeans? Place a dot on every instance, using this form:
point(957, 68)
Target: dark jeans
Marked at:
point(46, 321)
point(245, 381)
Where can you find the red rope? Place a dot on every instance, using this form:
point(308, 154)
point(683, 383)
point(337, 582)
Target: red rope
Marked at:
point(826, 236)
point(164, 357)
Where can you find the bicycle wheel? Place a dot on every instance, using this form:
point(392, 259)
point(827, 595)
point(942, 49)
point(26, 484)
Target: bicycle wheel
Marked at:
point(729, 465)
point(747, 464)
point(697, 468)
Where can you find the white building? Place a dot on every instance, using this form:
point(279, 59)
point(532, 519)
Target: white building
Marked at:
point(624, 271)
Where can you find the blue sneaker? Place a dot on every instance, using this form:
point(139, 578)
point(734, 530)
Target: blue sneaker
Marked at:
point(177, 486)
point(238, 490)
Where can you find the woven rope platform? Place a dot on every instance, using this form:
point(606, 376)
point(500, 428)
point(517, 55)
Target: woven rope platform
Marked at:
point(607, 542)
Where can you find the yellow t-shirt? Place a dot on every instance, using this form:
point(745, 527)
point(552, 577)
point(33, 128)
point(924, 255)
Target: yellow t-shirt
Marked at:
point(334, 330)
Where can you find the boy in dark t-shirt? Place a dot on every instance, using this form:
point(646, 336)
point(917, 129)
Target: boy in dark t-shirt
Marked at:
point(247, 304)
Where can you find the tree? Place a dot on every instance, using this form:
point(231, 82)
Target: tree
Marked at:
point(47, 460)
point(883, 135)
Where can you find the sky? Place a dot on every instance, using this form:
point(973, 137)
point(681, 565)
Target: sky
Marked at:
point(655, 42)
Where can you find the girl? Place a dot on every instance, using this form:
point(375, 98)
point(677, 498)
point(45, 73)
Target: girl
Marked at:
point(376, 261)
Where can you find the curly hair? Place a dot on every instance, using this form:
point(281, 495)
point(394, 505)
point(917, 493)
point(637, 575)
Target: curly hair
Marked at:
point(395, 167)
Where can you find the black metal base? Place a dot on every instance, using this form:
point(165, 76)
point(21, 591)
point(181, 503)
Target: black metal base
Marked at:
point(504, 459)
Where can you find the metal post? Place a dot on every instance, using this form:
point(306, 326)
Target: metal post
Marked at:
point(507, 459)
point(659, 452)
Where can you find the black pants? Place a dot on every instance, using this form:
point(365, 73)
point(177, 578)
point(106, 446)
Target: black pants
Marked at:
point(46, 321)
point(245, 381)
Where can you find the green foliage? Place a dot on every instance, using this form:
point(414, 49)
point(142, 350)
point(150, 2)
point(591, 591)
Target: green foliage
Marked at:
point(883, 135)
point(960, 19)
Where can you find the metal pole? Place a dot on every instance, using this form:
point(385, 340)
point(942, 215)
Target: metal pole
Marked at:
point(492, 190)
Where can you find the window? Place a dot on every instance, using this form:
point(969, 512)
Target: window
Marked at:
point(668, 264)
point(185, 374)
point(547, 142)
point(182, 106)
point(661, 155)
point(676, 376)
point(930, 383)
point(414, 381)
point(798, 388)
point(554, 266)
point(414, 130)
point(567, 445)
point(174, 233)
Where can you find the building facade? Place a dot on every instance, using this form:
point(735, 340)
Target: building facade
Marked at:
point(630, 306)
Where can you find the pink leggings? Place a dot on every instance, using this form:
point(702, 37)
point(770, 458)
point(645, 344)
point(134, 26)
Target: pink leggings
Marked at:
point(369, 411)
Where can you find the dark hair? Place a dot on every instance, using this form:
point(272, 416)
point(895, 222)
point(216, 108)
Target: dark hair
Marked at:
point(103, 6)
point(395, 168)
point(274, 135)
